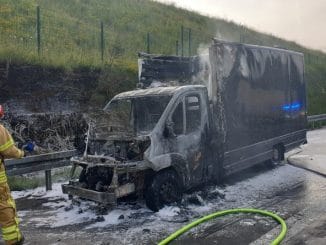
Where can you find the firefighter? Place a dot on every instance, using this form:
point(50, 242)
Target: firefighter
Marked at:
point(8, 214)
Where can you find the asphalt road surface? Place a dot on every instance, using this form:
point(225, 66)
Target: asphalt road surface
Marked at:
point(296, 192)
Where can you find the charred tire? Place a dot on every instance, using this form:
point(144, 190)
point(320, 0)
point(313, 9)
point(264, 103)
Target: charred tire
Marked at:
point(164, 188)
point(278, 154)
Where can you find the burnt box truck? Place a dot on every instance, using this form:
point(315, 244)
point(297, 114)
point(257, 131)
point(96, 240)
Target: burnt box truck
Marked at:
point(242, 105)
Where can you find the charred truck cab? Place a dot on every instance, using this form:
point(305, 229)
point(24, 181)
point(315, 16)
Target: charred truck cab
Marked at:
point(242, 105)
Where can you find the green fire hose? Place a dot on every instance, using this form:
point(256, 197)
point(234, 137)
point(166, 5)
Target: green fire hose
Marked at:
point(227, 212)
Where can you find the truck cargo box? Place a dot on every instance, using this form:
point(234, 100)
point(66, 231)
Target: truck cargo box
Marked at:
point(259, 96)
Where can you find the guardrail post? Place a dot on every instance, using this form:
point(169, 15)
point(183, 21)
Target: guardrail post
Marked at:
point(48, 180)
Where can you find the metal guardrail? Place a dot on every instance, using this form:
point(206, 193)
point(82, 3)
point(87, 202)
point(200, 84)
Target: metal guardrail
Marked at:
point(41, 162)
point(317, 118)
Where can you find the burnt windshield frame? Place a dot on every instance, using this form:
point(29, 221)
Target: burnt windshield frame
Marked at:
point(120, 112)
point(145, 111)
point(148, 110)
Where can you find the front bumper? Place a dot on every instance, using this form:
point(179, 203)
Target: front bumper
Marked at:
point(107, 197)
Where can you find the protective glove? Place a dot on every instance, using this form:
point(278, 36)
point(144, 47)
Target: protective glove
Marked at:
point(29, 147)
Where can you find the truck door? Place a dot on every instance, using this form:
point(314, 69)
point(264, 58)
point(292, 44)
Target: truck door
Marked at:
point(189, 120)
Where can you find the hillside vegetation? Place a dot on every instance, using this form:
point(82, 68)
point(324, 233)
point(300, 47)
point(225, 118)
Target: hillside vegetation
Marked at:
point(70, 38)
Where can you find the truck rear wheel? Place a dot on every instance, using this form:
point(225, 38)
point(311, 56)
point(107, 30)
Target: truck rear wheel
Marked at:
point(164, 188)
point(278, 156)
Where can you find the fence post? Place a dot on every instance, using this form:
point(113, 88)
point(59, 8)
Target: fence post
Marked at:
point(177, 48)
point(102, 41)
point(242, 33)
point(48, 180)
point(189, 39)
point(38, 30)
point(182, 41)
point(309, 58)
point(148, 43)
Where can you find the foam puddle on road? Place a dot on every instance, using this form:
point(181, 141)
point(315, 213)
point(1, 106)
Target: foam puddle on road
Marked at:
point(59, 211)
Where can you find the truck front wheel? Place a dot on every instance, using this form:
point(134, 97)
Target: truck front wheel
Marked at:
point(164, 188)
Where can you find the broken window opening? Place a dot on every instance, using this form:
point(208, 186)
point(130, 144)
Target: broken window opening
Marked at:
point(193, 113)
point(120, 115)
point(148, 111)
point(177, 119)
point(137, 115)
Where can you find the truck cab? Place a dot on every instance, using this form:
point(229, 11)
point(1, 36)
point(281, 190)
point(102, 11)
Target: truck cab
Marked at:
point(153, 145)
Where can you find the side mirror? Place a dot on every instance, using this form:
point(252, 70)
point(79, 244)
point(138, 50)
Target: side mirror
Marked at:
point(169, 130)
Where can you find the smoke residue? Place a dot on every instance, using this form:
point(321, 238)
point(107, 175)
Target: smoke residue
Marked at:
point(204, 75)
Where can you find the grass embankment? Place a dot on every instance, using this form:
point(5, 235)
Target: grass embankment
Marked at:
point(70, 37)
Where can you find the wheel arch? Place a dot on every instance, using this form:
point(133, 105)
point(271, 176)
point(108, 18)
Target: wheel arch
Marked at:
point(175, 162)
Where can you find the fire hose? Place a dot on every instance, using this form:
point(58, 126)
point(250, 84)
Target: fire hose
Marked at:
point(184, 229)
